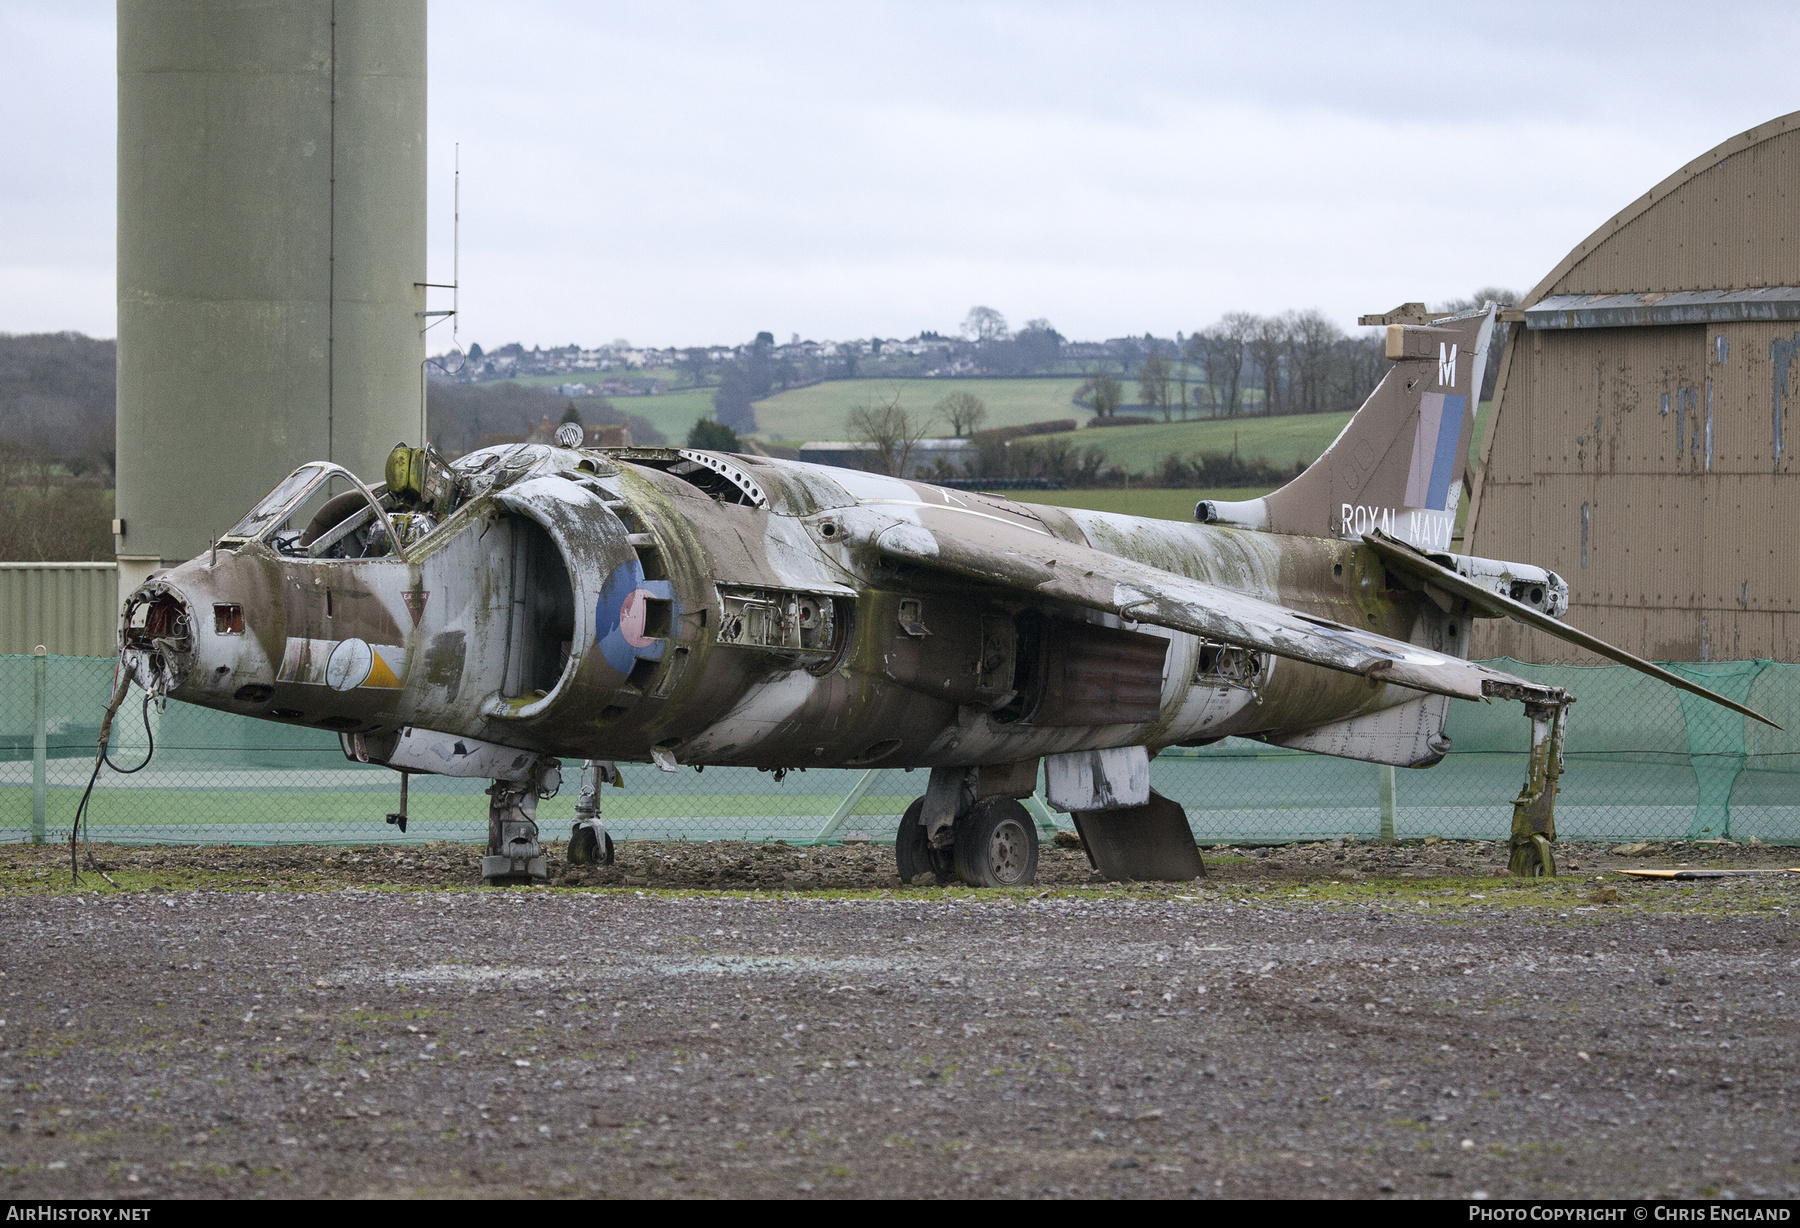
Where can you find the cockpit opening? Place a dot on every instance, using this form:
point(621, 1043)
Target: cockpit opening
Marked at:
point(322, 510)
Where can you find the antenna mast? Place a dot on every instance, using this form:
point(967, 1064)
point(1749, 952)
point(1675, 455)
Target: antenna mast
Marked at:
point(455, 242)
point(454, 288)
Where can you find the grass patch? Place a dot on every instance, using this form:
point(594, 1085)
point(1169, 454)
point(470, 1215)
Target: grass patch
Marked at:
point(821, 411)
point(673, 413)
point(1283, 440)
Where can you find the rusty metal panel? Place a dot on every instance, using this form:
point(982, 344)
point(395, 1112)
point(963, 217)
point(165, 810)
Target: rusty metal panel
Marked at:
point(1505, 521)
point(1644, 466)
point(72, 609)
point(1510, 457)
point(1097, 675)
point(1740, 562)
point(1608, 400)
point(1755, 374)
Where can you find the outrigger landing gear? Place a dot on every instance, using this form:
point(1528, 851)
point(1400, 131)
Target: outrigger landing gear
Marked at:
point(1534, 811)
point(589, 843)
point(514, 857)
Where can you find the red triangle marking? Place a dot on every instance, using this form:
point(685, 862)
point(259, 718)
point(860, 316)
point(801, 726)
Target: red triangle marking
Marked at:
point(415, 603)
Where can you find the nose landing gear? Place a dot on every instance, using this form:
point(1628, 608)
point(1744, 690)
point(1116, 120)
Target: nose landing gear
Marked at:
point(589, 843)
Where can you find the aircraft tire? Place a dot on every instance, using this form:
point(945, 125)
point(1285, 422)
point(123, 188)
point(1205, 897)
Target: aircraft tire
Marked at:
point(912, 856)
point(585, 848)
point(997, 845)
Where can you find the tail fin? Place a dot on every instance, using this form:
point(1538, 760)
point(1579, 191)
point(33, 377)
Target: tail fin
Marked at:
point(1397, 465)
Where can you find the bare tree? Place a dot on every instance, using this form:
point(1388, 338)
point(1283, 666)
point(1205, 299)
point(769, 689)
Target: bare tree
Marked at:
point(1311, 338)
point(964, 411)
point(892, 431)
point(1194, 353)
point(1182, 354)
point(1153, 380)
point(47, 518)
point(1487, 294)
point(695, 360)
point(985, 324)
point(1102, 392)
point(1223, 348)
point(848, 355)
point(1267, 344)
point(1358, 364)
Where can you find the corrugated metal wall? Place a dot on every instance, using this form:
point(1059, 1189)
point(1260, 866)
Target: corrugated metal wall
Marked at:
point(72, 609)
point(1649, 465)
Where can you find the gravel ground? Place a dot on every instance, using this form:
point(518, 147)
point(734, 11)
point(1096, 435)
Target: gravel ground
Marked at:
point(1327, 1020)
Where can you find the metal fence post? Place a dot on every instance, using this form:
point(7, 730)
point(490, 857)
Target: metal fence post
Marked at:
point(40, 743)
point(1387, 804)
point(847, 805)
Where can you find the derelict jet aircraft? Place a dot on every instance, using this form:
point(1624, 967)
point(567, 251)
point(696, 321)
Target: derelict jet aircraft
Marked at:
point(526, 603)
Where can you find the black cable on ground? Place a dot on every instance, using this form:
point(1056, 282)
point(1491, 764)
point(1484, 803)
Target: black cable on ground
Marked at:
point(101, 756)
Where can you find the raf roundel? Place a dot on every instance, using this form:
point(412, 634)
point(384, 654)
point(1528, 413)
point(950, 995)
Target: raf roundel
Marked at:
point(349, 664)
point(621, 616)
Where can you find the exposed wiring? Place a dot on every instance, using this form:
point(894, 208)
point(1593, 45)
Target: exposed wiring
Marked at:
point(149, 738)
point(101, 757)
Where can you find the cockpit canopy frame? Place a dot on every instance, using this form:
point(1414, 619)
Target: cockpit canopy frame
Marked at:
point(277, 507)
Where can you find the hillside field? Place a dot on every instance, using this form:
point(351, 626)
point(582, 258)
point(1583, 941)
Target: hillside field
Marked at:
point(1282, 440)
point(821, 411)
point(672, 413)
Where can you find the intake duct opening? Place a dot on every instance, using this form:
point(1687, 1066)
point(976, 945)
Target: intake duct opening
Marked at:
point(541, 619)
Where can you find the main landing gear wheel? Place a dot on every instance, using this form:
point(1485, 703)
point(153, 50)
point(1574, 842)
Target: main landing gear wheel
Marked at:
point(997, 845)
point(913, 856)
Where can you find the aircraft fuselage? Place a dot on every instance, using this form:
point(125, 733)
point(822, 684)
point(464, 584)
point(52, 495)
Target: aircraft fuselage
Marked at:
point(608, 606)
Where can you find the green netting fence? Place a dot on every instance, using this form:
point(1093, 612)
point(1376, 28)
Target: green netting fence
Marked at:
point(1645, 761)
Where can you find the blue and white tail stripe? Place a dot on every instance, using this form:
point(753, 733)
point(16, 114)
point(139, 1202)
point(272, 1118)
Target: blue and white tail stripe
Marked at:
point(1435, 441)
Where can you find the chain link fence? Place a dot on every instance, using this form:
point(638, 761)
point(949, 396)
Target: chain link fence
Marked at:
point(1644, 761)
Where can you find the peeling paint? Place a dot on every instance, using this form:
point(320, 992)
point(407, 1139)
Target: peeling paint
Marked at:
point(1782, 353)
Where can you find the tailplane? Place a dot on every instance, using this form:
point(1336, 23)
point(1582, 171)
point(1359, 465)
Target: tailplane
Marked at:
point(1397, 466)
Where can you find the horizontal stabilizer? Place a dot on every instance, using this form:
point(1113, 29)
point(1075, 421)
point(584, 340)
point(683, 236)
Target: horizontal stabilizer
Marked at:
point(1409, 560)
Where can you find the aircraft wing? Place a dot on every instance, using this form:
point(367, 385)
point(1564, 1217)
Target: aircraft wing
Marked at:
point(1412, 562)
point(1010, 556)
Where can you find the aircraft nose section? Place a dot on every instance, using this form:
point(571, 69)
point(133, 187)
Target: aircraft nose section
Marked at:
point(156, 638)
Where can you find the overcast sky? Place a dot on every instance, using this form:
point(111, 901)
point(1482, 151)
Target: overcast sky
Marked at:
point(685, 174)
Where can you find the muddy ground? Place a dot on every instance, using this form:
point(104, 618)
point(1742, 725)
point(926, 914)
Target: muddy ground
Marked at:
point(1324, 1020)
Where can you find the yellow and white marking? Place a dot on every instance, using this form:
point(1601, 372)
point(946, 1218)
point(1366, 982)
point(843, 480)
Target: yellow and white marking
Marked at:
point(342, 665)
